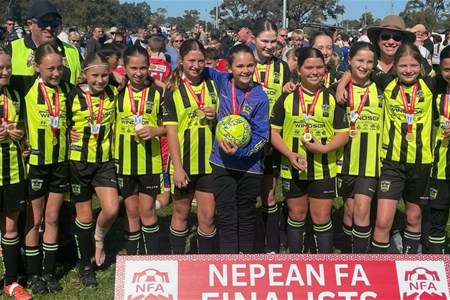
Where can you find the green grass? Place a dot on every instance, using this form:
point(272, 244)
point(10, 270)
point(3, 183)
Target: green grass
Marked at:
point(114, 245)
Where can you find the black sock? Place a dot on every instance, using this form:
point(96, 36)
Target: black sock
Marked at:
point(132, 240)
point(271, 219)
point(361, 238)
point(205, 241)
point(379, 248)
point(347, 242)
point(49, 258)
point(34, 260)
point(83, 237)
point(296, 235)
point(178, 241)
point(411, 241)
point(436, 244)
point(284, 212)
point(150, 236)
point(10, 248)
point(323, 235)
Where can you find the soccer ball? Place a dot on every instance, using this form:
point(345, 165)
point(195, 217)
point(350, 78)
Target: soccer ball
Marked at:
point(234, 128)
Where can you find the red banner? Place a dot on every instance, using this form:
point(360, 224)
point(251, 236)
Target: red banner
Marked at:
point(283, 276)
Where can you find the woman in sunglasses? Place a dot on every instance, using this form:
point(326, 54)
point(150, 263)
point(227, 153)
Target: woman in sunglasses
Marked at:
point(173, 49)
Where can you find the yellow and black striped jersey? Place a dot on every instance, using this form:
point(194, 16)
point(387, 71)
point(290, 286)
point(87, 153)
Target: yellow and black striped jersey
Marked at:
point(196, 136)
point(37, 120)
point(12, 163)
point(441, 163)
point(278, 75)
point(360, 156)
point(327, 119)
point(89, 148)
point(394, 146)
point(132, 157)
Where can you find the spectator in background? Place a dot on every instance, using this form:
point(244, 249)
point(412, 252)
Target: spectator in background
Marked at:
point(419, 30)
point(362, 35)
point(436, 59)
point(139, 38)
point(212, 57)
point(173, 49)
point(427, 42)
point(243, 31)
point(74, 38)
point(10, 34)
point(278, 52)
point(111, 34)
point(159, 68)
point(202, 36)
point(345, 50)
point(282, 36)
point(446, 41)
point(222, 64)
point(225, 41)
point(93, 44)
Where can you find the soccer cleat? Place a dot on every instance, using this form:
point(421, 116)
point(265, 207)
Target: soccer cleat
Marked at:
point(52, 284)
point(37, 285)
point(87, 276)
point(17, 291)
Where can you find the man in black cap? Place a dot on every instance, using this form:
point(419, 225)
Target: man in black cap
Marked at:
point(44, 21)
point(243, 31)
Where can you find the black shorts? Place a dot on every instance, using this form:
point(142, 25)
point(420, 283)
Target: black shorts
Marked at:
point(146, 184)
point(349, 185)
point(13, 197)
point(48, 178)
point(321, 189)
point(402, 180)
point(202, 183)
point(439, 193)
point(84, 177)
point(272, 163)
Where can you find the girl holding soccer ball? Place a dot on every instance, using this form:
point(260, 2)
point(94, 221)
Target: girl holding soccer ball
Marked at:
point(237, 171)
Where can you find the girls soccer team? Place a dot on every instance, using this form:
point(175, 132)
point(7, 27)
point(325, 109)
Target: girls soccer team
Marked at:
point(108, 140)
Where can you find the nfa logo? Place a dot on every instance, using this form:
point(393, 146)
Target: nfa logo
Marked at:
point(148, 280)
point(420, 280)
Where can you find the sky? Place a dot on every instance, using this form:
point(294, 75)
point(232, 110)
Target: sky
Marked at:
point(354, 8)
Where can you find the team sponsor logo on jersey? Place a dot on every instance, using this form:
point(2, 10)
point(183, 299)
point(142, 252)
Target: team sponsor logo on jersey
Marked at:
point(433, 193)
point(276, 77)
point(419, 282)
point(385, 185)
point(36, 184)
point(76, 189)
point(326, 110)
point(213, 97)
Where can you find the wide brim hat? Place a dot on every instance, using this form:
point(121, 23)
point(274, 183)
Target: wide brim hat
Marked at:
point(391, 22)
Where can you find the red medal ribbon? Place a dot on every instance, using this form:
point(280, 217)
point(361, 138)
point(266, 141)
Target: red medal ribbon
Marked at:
point(99, 117)
point(303, 105)
point(54, 115)
point(200, 102)
point(266, 77)
point(136, 117)
point(355, 115)
point(325, 79)
point(234, 107)
point(446, 116)
point(5, 108)
point(409, 110)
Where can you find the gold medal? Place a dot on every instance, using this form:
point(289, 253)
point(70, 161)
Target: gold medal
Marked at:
point(137, 139)
point(444, 143)
point(11, 127)
point(409, 137)
point(54, 141)
point(307, 136)
point(353, 133)
point(201, 114)
point(138, 127)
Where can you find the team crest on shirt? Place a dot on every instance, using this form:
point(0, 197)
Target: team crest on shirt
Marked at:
point(120, 182)
point(380, 101)
point(385, 185)
point(36, 184)
point(247, 108)
point(148, 106)
point(212, 96)
point(76, 189)
point(276, 77)
point(420, 95)
point(433, 193)
point(326, 110)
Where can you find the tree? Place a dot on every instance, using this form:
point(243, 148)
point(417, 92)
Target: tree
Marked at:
point(190, 17)
point(431, 13)
point(366, 19)
point(159, 17)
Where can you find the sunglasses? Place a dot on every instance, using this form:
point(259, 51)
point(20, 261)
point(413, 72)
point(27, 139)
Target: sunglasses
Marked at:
point(74, 41)
point(10, 24)
point(178, 41)
point(283, 35)
point(46, 23)
point(395, 37)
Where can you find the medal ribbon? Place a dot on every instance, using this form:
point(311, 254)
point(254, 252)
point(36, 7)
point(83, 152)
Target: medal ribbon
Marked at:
point(54, 115)
point(137, 118)
point(266, 77)
point(5, 121)
point(409, 111)
point(325, 79)
point(446, 116)
point(354, 115)
point(234, 107)
point(200, 102)
point(95, 128)
point(308, 115)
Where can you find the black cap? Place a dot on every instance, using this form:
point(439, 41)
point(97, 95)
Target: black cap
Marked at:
point(242, 23)
point(41, 8)
point(214, 33)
